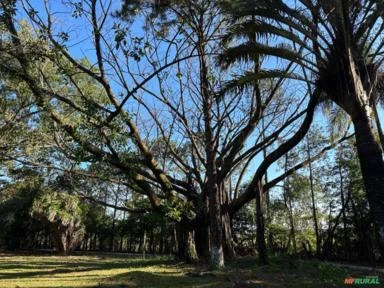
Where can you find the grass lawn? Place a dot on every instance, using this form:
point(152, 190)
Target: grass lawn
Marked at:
point(18, 271)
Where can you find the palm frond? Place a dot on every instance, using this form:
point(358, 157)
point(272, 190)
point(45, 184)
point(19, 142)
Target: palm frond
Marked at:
point(263, 31)
point(379, 88)
point(275, 11)
point(250, 50)
point(338, 120)
point(367, 25)
point(249, 79)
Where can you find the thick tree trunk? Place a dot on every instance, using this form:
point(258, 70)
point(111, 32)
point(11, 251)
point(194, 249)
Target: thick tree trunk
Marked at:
point(185, 242)
point(260, 236)
point(228, 244)
point(372, 169)
point(357, 102)
point(202, 230)
point(210, 140)
point(190, 253)
point(229, 250)
point(202, 238)
point(60, 244)
point(61, 240)
point(216, 228)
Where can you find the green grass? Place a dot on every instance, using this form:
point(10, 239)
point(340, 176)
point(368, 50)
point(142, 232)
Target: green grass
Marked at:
point(118, 272)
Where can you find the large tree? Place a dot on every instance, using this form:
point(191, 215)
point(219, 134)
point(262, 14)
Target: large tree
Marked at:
point(147, 105)
point(338, 48)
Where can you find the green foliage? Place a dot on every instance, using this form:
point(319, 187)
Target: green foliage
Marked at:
point(57, 207)
point(63, 213)
point(16, 198)
point(244, 227)
point(96, 221)
point(176, 208)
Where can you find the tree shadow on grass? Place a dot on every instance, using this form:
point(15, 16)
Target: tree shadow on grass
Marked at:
point(70, 267)
point(19, 275)
point(168, 279)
